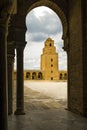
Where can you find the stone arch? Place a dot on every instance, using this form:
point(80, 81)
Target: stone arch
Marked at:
point(28, 75)
point(40, 75)
point(57, 9)
point(61, 76)
point(33, 75)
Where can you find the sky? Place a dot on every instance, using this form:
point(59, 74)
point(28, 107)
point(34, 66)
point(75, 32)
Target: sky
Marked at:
point(41, 23)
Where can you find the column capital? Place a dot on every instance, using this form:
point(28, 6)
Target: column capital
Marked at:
point(10, 50)
point(19, 45)
point(10, 59)
point(4, 20)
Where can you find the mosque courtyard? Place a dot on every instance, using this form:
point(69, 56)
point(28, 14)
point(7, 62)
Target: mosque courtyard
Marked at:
point(45, 108)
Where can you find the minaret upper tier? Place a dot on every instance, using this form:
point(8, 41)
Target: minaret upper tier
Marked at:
point(49, 47)
point(49, 60)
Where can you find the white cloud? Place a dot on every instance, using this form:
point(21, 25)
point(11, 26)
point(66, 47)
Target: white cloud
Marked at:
point(44, 26)
point(42, 23)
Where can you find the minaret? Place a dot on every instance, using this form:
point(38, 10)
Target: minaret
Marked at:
point(49, 61)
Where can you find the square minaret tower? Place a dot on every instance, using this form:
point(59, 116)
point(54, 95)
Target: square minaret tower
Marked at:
point(49, 61)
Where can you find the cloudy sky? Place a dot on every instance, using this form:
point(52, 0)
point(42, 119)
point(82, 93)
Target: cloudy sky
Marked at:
point(42, 23)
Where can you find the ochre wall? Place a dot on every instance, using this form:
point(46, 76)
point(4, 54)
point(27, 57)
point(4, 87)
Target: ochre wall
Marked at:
point(49, 61)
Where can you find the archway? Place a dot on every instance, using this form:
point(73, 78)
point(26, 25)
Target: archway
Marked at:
point(28, 75)
point(58, 9)
point(30, 35)
point(34, 76)
point(77, 89)
point(61, 11)
point(40, 75)
point(53, 6)
point(51, 60)
point(61, 76)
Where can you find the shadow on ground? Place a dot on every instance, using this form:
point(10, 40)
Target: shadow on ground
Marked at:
point(45, 113)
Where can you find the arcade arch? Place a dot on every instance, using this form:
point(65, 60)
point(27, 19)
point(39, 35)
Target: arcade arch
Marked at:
point(21, 42)
point(68, 11)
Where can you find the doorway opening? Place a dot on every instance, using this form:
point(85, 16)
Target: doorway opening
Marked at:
point(43, 23)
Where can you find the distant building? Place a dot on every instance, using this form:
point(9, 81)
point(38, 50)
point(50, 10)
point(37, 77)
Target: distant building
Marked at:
point(48, 67)
point(49, 61)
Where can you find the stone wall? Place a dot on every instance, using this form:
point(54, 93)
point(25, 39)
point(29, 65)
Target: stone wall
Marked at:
point(84, 20)
point(75, 84)
point(39, 75)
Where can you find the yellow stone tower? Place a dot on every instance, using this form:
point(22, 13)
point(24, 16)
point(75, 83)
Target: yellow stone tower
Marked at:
point(49, 61)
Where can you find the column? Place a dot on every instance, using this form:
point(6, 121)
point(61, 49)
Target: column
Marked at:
point(67, 49)
point(10, 64)
point(3, 77)
point(20, 82)
point(6, 9)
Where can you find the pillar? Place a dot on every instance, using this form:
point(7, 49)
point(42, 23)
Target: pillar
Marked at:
point(10, 64)
point(3, 77)
point(67, 49)
point(20, 30)
point(6, 9)
point(84, 33)
point(75, 58)
point(20, 82)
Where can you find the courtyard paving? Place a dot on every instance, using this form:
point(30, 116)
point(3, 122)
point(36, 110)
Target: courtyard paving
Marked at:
point(45, 104)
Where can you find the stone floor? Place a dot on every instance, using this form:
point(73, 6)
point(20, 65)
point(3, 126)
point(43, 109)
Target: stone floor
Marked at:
point(44, 112)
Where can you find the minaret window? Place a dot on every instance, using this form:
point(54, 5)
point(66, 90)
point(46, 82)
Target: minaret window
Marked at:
point(51, 59)
point(51, 65)
point(50, 44)
point(51, 78)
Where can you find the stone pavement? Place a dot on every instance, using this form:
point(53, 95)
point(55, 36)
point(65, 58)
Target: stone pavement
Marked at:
point(55, 119)
point(45, 113)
